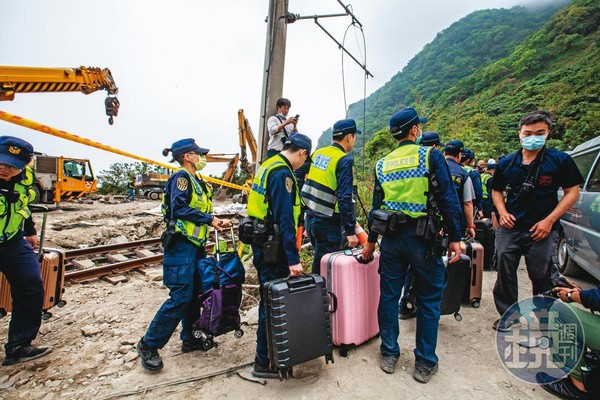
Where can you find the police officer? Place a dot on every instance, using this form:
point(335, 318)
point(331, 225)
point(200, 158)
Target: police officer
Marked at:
point(467, 160)
point(407, 307)
point(328, 194)
point(431, 139)
point(401, 184)
point(18, 261)
point(529, 219)
point(275, 200)
point(187, 211)
point(486, 183)
point(462, 184)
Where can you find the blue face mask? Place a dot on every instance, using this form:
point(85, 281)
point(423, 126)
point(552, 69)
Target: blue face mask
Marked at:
point(532, 143)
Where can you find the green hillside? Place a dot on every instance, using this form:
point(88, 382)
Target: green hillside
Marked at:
point(557, 68)
point(460, 50)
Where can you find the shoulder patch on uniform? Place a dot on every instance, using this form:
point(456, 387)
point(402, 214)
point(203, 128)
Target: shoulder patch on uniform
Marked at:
point(182, 184)
point(289, 184)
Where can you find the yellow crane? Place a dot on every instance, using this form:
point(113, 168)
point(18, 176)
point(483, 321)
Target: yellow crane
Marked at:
point(51, 80)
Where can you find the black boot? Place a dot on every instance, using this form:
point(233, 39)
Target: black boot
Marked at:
point(24, 353)
point(150, 358)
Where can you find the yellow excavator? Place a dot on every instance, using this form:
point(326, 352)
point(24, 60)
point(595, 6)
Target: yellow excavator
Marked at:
point(151, 184)
point(46, 80)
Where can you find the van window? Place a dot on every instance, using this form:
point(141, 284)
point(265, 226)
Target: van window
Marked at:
point(594, 182)
point(584, 163)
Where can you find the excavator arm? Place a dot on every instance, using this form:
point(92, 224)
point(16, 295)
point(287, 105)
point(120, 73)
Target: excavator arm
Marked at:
point(44, 80)
point(246, 139)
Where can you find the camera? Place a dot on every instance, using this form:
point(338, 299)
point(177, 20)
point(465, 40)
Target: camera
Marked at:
point(527, 188)
point(297, 116)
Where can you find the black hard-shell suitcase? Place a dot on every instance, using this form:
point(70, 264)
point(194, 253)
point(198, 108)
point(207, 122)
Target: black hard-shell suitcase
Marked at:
point(458, 281)
point(484, 234)
point(298, 321)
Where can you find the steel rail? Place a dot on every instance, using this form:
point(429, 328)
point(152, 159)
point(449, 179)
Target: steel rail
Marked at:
point(109, 247)
point(98, 272)
point(123, 266)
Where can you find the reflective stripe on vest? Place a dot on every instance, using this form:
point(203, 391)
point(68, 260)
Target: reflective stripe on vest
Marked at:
point(484, 180)
point(318, 192)
point(258, 206)
point(12, 215)
point(403, 177)
point(200, 201)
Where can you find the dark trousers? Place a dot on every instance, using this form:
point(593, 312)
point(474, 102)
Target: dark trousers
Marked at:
point(511, 244)
point(325, 236)
point(19, 263)
point(181, 277)
point(266, 273)
point(398, 252)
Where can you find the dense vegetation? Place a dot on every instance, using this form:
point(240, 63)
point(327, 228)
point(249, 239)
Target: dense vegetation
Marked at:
point(479, 76)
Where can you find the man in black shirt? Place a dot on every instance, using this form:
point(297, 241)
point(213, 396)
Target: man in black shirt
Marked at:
point(529, 219)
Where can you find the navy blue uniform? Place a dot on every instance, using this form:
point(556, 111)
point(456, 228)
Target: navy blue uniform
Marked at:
point(477, 187)
point(556, 170)
point(281, 205)
point(327, 233)
point(551, 170)
point(19, 263)
point(404, 249)
point(180, 272)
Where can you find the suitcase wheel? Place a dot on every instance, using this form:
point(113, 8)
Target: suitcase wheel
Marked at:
point(46, 315)
point(61, 304)
point(238, 333)
point(475, 303)
point(207, 344)
point(457, 316)
point(286, 373)
point(329, 357)
point(343, 353)
point(2, 312)
point(197, 333)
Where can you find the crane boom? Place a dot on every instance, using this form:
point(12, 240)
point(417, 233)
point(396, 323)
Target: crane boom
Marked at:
point(51, 80)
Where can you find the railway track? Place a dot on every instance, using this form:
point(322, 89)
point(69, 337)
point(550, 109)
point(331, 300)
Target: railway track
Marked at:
point(109, 261)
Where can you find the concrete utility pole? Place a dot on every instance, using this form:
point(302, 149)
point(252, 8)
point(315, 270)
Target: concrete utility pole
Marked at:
point(273, 70)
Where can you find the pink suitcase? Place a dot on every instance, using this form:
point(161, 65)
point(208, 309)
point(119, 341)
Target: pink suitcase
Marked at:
point(354, 289)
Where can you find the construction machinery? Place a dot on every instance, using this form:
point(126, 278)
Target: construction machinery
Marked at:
point(45, 80)
point(62, 179)
point(153, 183)
point(27, 123)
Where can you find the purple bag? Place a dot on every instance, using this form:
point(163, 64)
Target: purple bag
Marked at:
point(219, 309)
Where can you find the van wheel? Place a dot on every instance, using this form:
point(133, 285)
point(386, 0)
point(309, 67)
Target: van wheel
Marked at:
point(566, 265)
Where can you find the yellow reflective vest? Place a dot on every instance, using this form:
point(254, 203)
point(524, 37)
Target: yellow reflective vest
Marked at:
point(201, 201)
point(403, 175)
point(319, 190)
point(258, 205)
point(12, 214)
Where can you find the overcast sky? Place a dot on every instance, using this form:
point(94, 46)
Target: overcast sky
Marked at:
point(185, 67)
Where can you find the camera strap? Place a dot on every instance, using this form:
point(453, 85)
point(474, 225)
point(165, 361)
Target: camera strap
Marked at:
point(536, 164)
